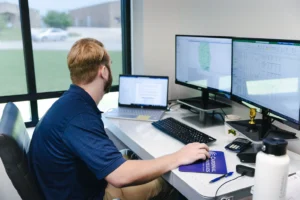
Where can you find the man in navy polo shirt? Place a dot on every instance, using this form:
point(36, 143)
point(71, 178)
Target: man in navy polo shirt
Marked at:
point(71, 156)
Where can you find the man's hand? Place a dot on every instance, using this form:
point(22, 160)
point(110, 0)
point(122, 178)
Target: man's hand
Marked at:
point(191, 153)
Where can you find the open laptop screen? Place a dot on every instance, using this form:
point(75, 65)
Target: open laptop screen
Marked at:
point(146, 91)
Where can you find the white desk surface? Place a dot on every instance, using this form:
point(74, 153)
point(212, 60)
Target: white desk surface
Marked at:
point(148, 142)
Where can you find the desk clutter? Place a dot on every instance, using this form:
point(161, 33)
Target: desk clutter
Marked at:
point(238, 145)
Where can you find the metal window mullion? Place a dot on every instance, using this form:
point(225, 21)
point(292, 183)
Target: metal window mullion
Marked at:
point(126, 35)
point(28, 57)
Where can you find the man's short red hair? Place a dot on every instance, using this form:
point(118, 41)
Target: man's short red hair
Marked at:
point(85, 58)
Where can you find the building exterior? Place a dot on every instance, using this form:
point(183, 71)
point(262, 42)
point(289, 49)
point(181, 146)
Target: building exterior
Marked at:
point(11, 14)
point(106, 15)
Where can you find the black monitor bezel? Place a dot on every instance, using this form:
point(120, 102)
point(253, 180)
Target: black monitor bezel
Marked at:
point(208, 89)
point(288, 121)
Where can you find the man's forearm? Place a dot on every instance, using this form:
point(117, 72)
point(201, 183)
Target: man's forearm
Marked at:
point(135, 172)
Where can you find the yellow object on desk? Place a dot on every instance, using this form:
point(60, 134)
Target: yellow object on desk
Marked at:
point(252, 116)
point(143, 117)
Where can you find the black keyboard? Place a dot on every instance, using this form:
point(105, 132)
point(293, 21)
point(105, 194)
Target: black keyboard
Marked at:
point(182, 132)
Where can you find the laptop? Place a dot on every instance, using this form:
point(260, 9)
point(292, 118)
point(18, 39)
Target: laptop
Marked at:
point(141, 98)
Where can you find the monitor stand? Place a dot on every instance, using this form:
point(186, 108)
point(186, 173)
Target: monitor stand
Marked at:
point(206, 108)
point(262, 129)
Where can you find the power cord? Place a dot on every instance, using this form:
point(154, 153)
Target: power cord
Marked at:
point(215, 98)
point(228, 182)
point(220, 114)
point(169, 108)
point(224, 113)
point(213, 113)
point(193, 111)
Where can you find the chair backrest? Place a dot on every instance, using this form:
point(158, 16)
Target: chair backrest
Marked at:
point(13, 125)
point(14, 144)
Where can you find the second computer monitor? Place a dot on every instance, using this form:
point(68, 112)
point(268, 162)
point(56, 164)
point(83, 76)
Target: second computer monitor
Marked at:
point(204, 62)
point(266, 73)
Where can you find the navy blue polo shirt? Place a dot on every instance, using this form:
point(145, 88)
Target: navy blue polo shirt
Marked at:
point(70, 153)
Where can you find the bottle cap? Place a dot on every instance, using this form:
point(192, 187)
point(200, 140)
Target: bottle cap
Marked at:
point(274, 146)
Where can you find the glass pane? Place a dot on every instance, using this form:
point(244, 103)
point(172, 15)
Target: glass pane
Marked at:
point(108, 101)
point(56, 25)
point(24, 108)
point(44, 105)
point(12, 67)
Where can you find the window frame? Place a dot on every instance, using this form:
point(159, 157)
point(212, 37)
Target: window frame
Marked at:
point(32, 95)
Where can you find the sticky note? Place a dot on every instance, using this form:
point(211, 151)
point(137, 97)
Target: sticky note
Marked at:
point(143, 117)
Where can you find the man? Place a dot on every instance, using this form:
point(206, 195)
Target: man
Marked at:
point(70, 155)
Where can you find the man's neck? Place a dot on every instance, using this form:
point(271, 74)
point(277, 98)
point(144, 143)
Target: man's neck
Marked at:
point(94, 90)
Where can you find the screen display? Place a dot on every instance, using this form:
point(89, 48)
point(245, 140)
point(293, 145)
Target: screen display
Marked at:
point(204, 62)
point(143, 91)
point(267, 74)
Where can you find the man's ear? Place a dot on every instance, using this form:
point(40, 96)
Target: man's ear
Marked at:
point(102, 72)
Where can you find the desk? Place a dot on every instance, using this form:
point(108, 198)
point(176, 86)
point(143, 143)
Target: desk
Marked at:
point(148, 143)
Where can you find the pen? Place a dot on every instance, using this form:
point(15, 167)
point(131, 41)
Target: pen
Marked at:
point(220, 177)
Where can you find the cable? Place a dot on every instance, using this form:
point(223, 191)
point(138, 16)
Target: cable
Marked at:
point(169, 108)
point(220, 115)
point(224, 113)
point(193, 111)
point(215, 98)
point(227, 182)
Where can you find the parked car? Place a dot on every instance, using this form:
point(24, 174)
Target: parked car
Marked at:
point(50, 34)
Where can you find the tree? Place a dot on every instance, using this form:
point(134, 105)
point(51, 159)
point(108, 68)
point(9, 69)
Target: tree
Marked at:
point(57, 19)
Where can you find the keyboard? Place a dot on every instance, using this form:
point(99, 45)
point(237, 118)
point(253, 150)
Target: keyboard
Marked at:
point(141, 111)
point(143, 114)
point(182, 132)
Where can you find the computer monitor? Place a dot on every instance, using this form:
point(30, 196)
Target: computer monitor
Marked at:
point(204, 62)
point(266, 74)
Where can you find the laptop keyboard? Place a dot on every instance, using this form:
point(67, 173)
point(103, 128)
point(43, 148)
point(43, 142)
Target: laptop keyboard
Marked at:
point(140, 111)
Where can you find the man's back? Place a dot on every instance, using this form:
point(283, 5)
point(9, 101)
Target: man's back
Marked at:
point(67, 154)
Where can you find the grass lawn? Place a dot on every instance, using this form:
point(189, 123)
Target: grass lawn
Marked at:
point(51, 70)
point(10, 34)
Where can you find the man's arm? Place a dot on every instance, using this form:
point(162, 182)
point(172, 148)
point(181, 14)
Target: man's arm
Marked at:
point(135, 172)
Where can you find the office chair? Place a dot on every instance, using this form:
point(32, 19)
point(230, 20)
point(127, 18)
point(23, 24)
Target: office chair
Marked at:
point(14, 145)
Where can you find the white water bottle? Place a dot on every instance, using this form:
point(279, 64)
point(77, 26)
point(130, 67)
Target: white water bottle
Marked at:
point(271, 171)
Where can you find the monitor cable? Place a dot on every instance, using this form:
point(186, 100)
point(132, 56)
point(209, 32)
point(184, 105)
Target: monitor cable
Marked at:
point(220, 114)
point(193, 111)
point(224, 113)
point(170, 106)
point(243, 174)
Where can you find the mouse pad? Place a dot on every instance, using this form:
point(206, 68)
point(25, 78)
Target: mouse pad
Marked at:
point(215, 165)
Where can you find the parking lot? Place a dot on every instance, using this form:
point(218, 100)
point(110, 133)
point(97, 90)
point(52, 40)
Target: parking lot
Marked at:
point(111, 38)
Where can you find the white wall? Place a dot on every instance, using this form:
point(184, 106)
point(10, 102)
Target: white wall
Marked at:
point(156, 22)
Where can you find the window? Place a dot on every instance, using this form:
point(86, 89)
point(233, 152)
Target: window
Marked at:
point(24, 108)
point(11, 52)
point(35, 38)
point(59, 20)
